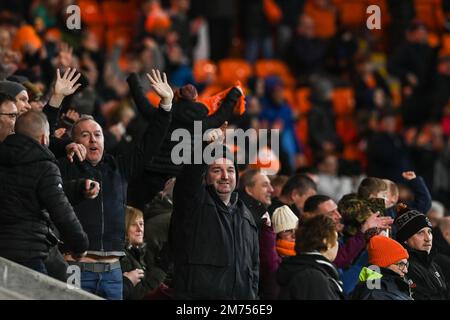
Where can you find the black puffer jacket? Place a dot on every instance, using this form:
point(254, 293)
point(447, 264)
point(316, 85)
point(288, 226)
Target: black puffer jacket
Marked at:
point(31, 197)
point(215, 247)
point(184, 113)
point(390, 287)
point(309, 276)
point(426, 278)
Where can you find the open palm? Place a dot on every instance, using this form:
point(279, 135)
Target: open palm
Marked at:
point(161, 86)
point(66, 85)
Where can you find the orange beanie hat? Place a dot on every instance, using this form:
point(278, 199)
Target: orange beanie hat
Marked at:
point(384, 251)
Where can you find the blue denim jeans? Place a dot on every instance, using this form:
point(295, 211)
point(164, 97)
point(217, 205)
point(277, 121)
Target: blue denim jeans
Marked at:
point(37, 265)
point(107, 285)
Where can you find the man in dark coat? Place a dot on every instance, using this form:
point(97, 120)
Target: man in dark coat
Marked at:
point(386, 151)
point(213, 236)
point(441, 245)
point(426, 279)
point(8, 115)
point(103, 219)
point(186, 110)
point(32, 197)
point(385, 280)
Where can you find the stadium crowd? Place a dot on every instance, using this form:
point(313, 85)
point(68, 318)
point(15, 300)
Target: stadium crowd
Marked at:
point(353, 205)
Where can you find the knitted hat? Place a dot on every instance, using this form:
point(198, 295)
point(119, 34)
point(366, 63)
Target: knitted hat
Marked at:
point(187, 92)
point(409, 223)
point(384, 251)
point(11, 88)
point(283, 219)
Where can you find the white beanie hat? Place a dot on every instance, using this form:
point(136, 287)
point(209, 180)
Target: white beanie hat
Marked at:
point(284, 219)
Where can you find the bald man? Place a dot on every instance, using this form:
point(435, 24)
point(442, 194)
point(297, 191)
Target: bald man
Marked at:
point(441, 247)
point(32, 197)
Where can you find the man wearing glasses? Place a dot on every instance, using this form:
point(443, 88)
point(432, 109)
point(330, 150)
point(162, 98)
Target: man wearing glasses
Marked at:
point(387, 280)
point(8, 116)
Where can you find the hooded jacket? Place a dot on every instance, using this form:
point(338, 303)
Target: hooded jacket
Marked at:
point(426, 279)
point(309, 276)
point(215, 247)
point(31, 199)
point(383, 285)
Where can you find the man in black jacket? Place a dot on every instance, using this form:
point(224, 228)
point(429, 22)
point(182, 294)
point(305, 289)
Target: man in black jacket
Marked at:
point(425, 277)
point(213, 236)
point(104, 218)
point(8, 115)
point(32, 197)
point(441, 245)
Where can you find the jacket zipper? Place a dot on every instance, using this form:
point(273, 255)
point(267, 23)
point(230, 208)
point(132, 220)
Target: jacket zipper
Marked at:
point(103, 218)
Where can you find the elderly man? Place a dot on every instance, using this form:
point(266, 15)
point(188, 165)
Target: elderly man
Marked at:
point(32, 197)
point(213, 236)
point(103, 218)
point(8, 115)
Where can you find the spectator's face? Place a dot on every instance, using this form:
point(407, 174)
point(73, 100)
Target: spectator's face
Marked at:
point(306, 27)
point(287, 235)
point(261, 190)
point(388, 124)
point(329, 165)
point(90, 134)
point(222, 175)
point(136, 232)
point(434, 217)
point(422, 240)
point(299, 199)
point(332, 251)
point(401, 267)
point(22, 102)
point(8, 116)
point(330, 209)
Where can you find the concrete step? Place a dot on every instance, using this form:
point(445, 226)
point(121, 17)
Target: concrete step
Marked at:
point(19, 282)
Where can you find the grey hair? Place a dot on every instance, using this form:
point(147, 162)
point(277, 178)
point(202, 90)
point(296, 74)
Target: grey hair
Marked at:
point(83, 118)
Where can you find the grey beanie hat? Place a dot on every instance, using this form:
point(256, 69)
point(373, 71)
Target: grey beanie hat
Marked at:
point(11, 88)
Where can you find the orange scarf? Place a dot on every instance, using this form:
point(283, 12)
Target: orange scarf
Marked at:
point(285, 248)
point(213, 103)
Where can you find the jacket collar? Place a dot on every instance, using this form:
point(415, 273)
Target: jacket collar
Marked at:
point(422, 257)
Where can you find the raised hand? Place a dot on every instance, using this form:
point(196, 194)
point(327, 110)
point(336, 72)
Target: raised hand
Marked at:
point(91, 189)
point(217, 134)
point(375, 221)
point(66, 85)
point(409, 175)
point(77, 149)
point(161, 86)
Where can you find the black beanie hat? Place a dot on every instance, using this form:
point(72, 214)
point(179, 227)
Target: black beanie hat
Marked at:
point(409, 223)
point(11, 88)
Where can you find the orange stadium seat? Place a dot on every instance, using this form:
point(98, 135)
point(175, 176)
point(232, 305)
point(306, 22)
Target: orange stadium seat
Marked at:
point(231, 70)
point(346, 129)
point(90, 12)
point(324, 19)
point(430, 12)
point(302, 98)
point(116, 33)
point(352, 13)
point(343, 101)
point(265, 68)
point(204, 70)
